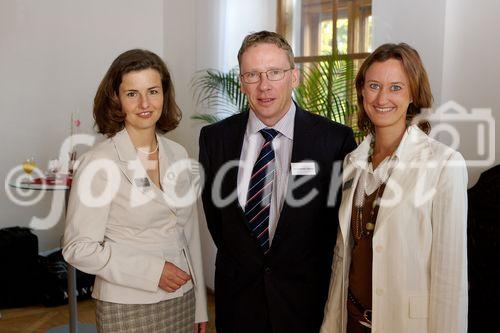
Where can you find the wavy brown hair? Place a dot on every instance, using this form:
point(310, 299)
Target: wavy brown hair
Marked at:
point(108, 115)
point(420, 90)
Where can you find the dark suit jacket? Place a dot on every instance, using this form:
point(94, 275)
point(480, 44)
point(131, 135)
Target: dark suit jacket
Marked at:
point(285, 290)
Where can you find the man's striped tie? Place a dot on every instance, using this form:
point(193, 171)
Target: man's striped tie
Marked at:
point(260, 191)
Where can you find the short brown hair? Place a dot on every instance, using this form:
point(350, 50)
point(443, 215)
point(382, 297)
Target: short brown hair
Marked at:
point(420, 89)
point(266, 37)
point(108, 115)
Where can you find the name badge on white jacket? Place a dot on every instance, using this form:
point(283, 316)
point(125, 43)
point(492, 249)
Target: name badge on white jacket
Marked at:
point(142, 182)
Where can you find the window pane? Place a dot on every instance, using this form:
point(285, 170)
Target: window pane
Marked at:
point(308, 26)
point(368, 34)
point(318, 28)
point(342, 32)
point(326, 34)
point(315, 15)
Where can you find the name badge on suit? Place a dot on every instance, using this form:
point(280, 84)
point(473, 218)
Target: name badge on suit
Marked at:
point(303, 169)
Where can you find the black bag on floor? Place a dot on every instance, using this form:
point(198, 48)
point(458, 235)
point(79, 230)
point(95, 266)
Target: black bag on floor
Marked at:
point(54, 290)
point(19, 280)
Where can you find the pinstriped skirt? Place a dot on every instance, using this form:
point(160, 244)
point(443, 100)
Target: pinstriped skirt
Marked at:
point(170, 316)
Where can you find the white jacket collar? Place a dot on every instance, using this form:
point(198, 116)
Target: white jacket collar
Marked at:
point(414, 142)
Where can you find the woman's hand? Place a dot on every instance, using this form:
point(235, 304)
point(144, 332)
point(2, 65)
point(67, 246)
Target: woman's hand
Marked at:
point(200, 327)
point(172, 278)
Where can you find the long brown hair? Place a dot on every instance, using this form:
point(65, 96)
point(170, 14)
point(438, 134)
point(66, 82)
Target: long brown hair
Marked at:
point(420, 89)
point(108, 115)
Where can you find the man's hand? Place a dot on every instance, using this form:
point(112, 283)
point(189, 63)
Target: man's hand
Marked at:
point(200, 327)
point(172, 277)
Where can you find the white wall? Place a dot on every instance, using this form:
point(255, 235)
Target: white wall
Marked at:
point(418, 23)
point(471, 68)
point(53, 55)
point(456, 40)
point(192, 42)
point(243, 17)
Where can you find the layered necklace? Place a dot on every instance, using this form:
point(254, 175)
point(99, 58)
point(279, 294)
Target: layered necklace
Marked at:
point(362, 228)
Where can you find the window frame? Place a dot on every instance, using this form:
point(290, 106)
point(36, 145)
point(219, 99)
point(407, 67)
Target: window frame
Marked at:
point(355, 22)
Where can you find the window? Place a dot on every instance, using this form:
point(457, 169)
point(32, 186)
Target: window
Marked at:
point(309, 26)
point(330, 39)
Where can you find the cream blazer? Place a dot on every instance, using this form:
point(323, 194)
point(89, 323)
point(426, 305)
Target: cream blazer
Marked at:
point(419, 243)
point(123, 228)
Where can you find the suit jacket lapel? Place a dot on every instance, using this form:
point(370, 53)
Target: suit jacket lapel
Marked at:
point(165, 157)
point(302, 133)
point(356, 162)
point(131, 167)
point(351, 179)
point(169, 176)
point(233, 143)
point(302, 138)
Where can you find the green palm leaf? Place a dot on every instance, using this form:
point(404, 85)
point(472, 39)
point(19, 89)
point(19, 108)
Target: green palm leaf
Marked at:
point(327, 89)
point(219, 92)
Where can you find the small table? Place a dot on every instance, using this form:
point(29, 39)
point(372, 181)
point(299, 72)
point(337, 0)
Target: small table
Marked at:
point(74, 326)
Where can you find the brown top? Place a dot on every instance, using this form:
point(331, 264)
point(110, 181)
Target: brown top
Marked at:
point(360, 272)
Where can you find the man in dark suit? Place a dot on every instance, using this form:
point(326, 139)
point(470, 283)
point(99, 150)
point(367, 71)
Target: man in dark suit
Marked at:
point(269, 217)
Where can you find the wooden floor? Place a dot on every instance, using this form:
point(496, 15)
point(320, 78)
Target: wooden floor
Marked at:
point(38, 319)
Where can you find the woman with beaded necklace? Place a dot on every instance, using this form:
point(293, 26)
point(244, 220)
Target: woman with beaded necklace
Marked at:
point(400, 262)
point(125, 221)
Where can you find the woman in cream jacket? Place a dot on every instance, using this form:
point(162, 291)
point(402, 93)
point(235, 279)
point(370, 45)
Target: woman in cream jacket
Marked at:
point(131, 220)
point(412, 242)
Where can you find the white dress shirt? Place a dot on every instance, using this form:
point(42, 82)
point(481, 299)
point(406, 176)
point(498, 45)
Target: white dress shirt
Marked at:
point(370, 180)
point(282, 146)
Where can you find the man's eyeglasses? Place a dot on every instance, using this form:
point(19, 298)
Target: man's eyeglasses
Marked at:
point(272, 75)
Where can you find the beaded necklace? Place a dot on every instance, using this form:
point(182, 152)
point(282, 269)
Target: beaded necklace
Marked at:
point(363, 230)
